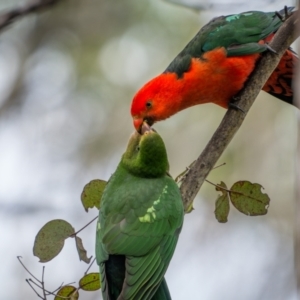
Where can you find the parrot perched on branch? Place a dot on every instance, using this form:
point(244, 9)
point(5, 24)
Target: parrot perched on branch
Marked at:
point(140, 218)
point(214, 67)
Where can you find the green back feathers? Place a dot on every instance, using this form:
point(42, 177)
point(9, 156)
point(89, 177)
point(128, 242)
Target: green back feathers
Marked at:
point(239, 34)
point(146, 155)
point(245, 28)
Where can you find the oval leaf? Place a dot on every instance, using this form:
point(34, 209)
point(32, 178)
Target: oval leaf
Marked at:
point(92, 193)
point(67, 292)
point(81, 251)
point(222, 204)
point(51, 238)
point(90, 282)
point(248, 198)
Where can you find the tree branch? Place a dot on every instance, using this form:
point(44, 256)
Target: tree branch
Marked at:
point(12, 15)
point(297, 187)
point(234, 118)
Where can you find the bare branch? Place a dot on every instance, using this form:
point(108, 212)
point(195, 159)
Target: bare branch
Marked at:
point(30, 284)
point(19, 259)
point(297, 187)
point(90, 266)
point(11, 16)
point(234, 118)
point(85, 226)
point(43, 283)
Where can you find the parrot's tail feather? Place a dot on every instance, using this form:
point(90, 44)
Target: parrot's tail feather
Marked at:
point(115, 274)
point(279, 84)
point(104, 289)
point(162, 292)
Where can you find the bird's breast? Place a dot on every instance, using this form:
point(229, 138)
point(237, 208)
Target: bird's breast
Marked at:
point(215, 78)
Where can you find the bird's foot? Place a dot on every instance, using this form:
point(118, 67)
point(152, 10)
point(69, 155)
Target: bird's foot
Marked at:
point(286, 15)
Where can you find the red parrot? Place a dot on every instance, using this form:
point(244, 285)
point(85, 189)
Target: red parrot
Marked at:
point(214, 67)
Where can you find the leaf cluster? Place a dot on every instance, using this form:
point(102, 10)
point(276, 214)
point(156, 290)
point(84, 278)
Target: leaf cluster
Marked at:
point(50, 240)
point(245, 196)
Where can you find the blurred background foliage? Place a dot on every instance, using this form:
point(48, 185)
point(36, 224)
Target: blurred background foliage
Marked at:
point(67, 77)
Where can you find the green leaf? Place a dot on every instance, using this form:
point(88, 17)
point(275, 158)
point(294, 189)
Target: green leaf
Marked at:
point(90, 282)
point(81, 251)
point(51, 238)
point(248, 198)
point(92, 193)
point(222, 204)
point(67, 292)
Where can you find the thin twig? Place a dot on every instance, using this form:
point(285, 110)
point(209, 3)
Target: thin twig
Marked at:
point(48, 292)
point(10, 16)
point(74, 234)
point(39, 286)
point(222, 188)
point(218, 166)
point(43, 284)
point(233, 119)
point(90, 266)
point(29, 283)
point(19, 259)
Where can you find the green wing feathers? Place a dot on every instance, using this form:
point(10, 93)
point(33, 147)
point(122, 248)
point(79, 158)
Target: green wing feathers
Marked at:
point(144, 274)
point(140, 219)
point(162, 293)
point(239, 34)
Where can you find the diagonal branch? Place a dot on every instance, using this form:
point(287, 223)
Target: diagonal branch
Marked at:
point(297, 187)
point(11, 16)
point(233, 119)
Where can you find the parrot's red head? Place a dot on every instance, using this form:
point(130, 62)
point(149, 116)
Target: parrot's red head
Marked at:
point(156, 100)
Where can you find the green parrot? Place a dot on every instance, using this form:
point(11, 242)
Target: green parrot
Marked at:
point(140, 218)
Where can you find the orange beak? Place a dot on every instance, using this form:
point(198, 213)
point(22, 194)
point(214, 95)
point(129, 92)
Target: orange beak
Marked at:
point(138, 122)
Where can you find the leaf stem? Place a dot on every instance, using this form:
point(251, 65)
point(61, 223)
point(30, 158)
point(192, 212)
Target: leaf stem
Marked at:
point(75, 233)
point(218, 186)
point(90, 266)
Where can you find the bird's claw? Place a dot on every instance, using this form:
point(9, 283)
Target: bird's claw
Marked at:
point(286, 14)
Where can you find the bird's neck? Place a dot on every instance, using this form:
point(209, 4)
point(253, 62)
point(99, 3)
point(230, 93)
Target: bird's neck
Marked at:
point(186, 91)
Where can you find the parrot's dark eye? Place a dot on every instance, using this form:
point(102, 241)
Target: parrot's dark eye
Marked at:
point(148, 104)
point(137, 148)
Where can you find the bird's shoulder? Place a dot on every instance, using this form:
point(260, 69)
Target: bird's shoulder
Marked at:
point(239, 34)
point(141, 211)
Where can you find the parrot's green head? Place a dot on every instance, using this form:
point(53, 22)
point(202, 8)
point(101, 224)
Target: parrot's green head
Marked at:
point(146, 154)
